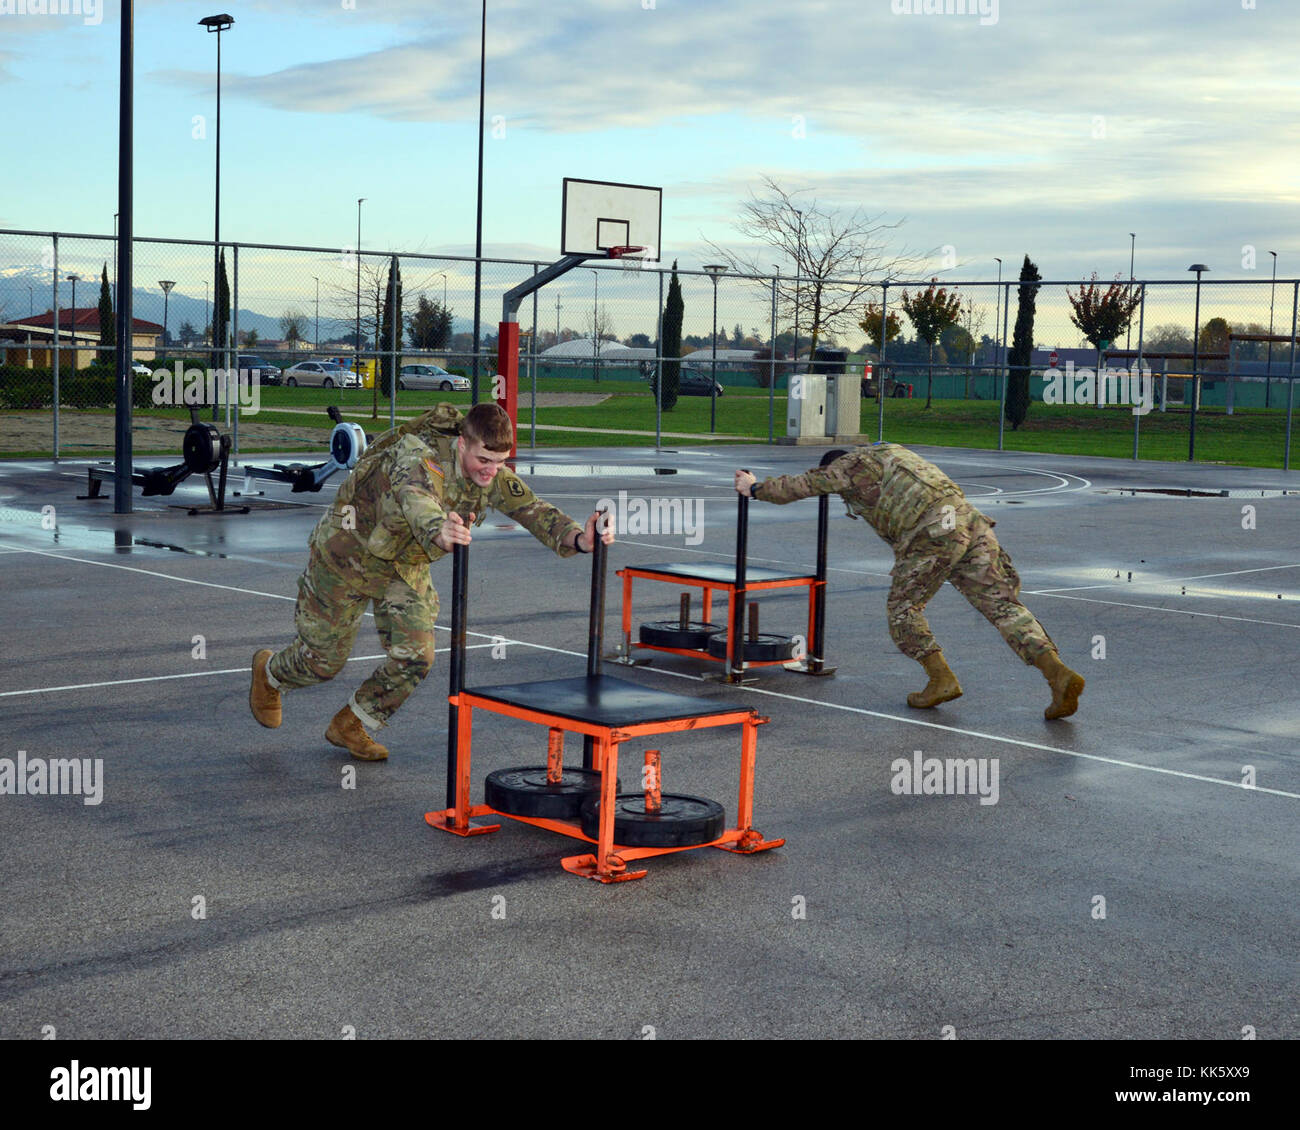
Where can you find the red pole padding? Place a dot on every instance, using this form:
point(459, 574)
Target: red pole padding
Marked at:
point(505, 388)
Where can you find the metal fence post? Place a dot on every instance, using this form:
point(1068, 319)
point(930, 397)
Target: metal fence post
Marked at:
point(532, 363)
point(880, 376)
point(234, 316)
point(57, 358)
point(394, 337)
point(771, 374)
point(1290, 379)
point(659, 367)
point(1003, 372)
point(1142, 310)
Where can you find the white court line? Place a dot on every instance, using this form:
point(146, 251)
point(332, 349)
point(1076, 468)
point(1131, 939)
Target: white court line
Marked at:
point(195, 675)
point(1175, 611)
point(958, 730)
point(1063, 487)
point(1237, 572)
point(1152, 579)
point(810, 701)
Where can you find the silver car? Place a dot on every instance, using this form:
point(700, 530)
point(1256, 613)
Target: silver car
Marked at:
point(323, 374)
point(430, 376)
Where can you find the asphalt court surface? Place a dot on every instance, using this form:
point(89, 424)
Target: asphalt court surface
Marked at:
point(1134, 878)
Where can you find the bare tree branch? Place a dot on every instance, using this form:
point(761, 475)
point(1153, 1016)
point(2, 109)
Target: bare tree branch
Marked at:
point(839, 256)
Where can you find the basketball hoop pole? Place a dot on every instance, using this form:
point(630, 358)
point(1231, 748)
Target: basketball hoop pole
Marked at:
point(506, 387)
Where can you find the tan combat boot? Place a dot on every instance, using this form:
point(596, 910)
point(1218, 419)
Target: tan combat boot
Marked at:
point(942, 686)
point(1066, 685)
point(347, 732)
point(263, 699)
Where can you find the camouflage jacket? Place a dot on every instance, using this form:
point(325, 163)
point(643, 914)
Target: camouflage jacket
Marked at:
point(393, 504)
point(893, 488)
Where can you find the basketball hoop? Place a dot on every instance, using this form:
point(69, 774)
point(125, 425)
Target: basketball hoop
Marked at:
point(629, 257)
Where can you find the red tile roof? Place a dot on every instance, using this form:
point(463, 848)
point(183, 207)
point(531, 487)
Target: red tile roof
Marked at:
point(86, 319)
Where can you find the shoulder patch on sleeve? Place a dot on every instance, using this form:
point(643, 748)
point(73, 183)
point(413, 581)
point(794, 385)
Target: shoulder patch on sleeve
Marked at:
point(434, 469)
point(515, 487)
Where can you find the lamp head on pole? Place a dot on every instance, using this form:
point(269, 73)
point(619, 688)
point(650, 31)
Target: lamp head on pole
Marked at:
point(217, 23)
point(714, 270)
point(1198, 268)
point(167, 285)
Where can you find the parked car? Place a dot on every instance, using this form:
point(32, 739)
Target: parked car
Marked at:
point(430, 376)
point(322, 374)
point(697, 384)
point(140, 369)
point(267, 374)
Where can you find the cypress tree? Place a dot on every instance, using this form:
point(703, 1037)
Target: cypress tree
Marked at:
point(107, 324)
point(392, 308)
point(671, 347)
point(1022, 346)
point(221, 313)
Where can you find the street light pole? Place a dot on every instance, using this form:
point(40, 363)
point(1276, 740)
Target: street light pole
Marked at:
point(715, 271)
point(1196, 356)
point(166, 285)
point(217, 24)
point(316, 336)
point(478, 223)
point(1268, 370)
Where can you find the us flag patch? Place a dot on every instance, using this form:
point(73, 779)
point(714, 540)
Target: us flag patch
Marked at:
point(434, 469)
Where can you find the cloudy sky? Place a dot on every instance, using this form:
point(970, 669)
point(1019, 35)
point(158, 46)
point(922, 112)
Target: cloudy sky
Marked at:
point(1048, 127)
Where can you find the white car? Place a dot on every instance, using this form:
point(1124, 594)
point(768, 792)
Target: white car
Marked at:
point(324, 374)
point(430, 376)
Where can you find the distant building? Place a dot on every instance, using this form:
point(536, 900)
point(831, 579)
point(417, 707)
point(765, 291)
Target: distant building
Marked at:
point(29, 342)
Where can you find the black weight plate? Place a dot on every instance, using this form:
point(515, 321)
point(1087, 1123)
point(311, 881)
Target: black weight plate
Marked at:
point(766, 647)
point(682, 821)
point(524, 791)
point(201, 448)
point(670, 633)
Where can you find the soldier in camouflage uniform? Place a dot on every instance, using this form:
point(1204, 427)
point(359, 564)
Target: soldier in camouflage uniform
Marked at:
point(937, 536)
point(411, 497)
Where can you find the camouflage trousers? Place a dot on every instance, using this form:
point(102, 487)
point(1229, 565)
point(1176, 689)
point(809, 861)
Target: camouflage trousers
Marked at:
point(327, 616)
point(958, 545)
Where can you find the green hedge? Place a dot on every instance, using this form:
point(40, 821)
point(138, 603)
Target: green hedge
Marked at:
point(93, 387)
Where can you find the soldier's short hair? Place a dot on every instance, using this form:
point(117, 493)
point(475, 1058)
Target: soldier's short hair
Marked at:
point(489, 424)
point(831, 456)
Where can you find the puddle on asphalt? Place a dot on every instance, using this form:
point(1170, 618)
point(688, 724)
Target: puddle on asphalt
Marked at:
point(67, 536)
point(1189, 492)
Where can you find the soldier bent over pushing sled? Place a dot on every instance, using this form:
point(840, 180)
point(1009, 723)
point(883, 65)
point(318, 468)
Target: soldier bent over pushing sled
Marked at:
point(937, 536)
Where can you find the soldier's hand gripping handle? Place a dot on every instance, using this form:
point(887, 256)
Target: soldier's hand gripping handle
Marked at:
point(455, 531)
point(745, 482)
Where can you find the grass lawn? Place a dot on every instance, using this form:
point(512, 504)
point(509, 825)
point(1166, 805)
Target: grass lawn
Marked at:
point(1250, 437)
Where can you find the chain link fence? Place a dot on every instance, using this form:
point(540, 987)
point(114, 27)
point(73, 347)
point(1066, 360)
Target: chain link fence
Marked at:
point(1200, 361)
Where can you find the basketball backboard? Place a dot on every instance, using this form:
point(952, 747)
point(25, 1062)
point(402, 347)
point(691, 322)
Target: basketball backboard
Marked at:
point(598, 215)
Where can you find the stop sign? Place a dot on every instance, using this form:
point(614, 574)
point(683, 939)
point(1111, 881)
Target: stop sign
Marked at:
point(1053, 359)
